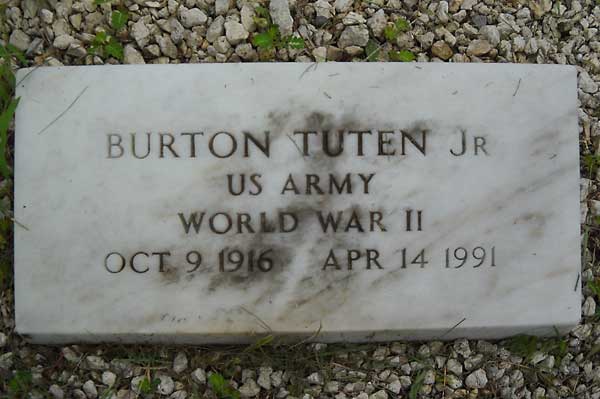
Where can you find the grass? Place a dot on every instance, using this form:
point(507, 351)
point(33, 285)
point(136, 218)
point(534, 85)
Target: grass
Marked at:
point(526, 345)
point(20, 384)
point(105, 43)
point(391, 33)
point(269, 37)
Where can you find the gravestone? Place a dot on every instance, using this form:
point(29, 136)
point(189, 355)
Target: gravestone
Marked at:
point(338, 202)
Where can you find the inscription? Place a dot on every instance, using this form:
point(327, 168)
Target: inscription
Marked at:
point(329, 143)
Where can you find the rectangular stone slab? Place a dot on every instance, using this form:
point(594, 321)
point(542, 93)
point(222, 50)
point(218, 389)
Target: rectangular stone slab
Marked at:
point(455, 198)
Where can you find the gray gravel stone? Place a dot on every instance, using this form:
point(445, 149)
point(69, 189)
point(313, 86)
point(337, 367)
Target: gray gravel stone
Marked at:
point(221, 7)
point(315, 379)
point(357, 35)
point(235, 32)
point(586, 83)
point(249, 389)
point(109, 378)
point(589, 307)
point(199, 376)
point(167, 47)
point(62, 42)
point(180, 363)
point(132, 56)
point(96, 363)
point(166, 385)
point(90, 389)
point(56, 392)
point(19, 39)
point(477, 379)
point(140, 33)
point(215, 29)
point(192, 17)
point(479, 47)
point(281, 16)
point(491, 34)
point(247, 16)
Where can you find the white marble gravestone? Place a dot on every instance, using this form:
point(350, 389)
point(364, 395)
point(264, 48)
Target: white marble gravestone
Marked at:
point(214, 203)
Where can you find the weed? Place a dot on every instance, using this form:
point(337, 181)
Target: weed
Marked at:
point(591, 162)
point(401, 56)
point(20, 384)
point(105, 43)
point(372, 50)
point(526, 345)
point(221, 388)
point(594, 286)
point(391, 32)
point(270, 37)
point(146, 386)
point(416, 386)
point(8, 102)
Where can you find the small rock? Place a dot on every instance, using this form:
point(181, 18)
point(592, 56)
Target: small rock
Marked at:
point(215, 30)
point(199, 376)
point(356, 35)
point(221, 7)
point(247, 15)
point(540, 7)
point(96, 363)
point(264, 374)
point(378, 23)
point(109, 378)
point(586, 83)
point(379, 395)
point(441, 50)
point(324, 12)
point(453, 381)
point(461, 346)
point(468, 4)
point(491, 34)
point(235, 32)
point(166, 385)
point(582, 331)
point(90, 389)
point(395, 387)
point(343, 6)
point(192, 17)
point(442, 12)
point(19, 39)
point(178, 395)
point(76, 50)
point(56, 392)
point(315, 379)
point(332, 387)
point(249, 389)
point(478, 48)
point(166, 46)
point(426, 40)
point(132, 56)
point(140, 33)
point(477, 379)
point(281, 16)
point(589, 306)
point(353, 18)
point(320, 54)
point(46, 16)
point(70, 355)
point(454, 366)
point(135, 383)
point(6, 360)
point(3, 340)
point(180, 363)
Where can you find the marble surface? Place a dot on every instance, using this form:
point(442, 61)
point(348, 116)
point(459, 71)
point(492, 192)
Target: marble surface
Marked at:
point(85, 204)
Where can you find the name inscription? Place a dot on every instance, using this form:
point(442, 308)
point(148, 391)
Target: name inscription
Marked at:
point(328, 143)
